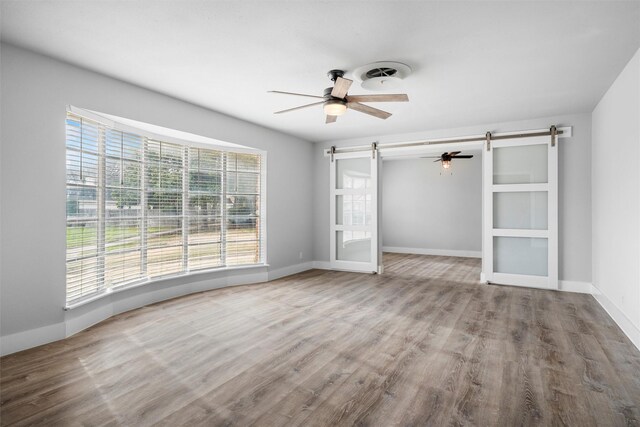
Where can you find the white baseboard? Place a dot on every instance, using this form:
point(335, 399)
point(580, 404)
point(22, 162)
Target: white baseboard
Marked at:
point(630, 330)
point(288, 271)
point(31, 338)
point(575, 286)
point(322, 265)
point(438, 252)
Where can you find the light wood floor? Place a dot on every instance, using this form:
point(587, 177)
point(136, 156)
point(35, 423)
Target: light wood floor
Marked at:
point(422, 344)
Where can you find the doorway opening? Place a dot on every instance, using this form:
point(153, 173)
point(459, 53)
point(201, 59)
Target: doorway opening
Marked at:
point(428, 209)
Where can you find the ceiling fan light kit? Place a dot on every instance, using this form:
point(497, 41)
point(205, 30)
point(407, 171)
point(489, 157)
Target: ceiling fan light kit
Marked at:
point(334, 107)
point(336, 101)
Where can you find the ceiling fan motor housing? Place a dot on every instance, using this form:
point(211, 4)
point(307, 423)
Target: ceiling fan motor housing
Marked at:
point(334, 74)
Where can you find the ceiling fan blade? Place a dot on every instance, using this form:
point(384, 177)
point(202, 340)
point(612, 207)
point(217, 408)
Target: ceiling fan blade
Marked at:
point(331, 119)
point(454, 153)
point(296, 94)
point(430, 157)
point(368, 110)
point(299, 108)
point(463, 157)
point(341, 87)
point(439, 160)
point(397, 97)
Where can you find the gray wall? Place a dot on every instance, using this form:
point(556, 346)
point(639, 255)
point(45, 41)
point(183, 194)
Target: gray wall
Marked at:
point(574, 186)
point(616, 200)
point(426, 209)
point(35, 92)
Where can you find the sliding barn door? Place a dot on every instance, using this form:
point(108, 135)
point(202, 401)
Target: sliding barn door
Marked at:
point(354, 212)
point(521, 212)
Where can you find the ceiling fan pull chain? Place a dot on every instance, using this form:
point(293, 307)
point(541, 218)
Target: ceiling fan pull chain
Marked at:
point(488, 136)
point(554, 133)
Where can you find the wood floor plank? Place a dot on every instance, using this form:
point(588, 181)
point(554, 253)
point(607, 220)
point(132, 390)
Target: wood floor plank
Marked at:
point(422, 344)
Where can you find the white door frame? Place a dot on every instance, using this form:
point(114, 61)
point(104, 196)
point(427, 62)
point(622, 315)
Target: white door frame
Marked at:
point(373, 227)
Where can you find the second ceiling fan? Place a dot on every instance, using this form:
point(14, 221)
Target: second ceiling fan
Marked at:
point(335, 100)
point(445, 158)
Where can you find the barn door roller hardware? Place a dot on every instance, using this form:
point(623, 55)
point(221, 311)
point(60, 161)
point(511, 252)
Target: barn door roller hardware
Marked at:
point(553, 131)
point(374, 148)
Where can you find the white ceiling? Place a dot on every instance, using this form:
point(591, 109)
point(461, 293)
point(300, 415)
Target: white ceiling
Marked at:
point(474, 62)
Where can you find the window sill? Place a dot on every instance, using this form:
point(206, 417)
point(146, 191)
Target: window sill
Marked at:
point(134, 285)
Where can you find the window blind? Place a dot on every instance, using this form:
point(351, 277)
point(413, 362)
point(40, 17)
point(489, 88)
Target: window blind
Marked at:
point(139, 208)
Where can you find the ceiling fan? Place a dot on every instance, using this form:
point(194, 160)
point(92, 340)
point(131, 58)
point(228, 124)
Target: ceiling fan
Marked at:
point(335, 100)
point(445, 158)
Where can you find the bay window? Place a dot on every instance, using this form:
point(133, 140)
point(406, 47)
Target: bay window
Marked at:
point(140, 208)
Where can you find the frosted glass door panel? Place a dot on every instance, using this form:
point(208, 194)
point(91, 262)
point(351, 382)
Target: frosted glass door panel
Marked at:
point(520, 255)
point(353, 173)
point(520, 165)
point(353, 246)
point(353, 209)
point(520, 210)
